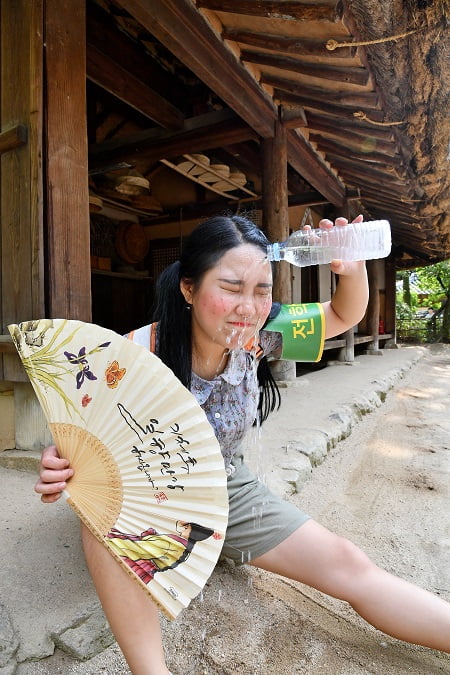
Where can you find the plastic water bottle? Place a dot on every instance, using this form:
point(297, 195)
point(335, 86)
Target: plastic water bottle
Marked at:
point(355, 241)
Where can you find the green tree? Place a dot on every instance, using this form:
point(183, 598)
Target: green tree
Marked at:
point(404, 276)
point(435, 279)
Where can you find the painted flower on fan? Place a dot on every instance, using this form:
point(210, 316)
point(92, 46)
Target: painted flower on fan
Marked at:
point(86, 400)
point(114, 374)
point(81, 361)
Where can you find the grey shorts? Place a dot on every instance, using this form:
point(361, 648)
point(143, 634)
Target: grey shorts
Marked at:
point(258, 520)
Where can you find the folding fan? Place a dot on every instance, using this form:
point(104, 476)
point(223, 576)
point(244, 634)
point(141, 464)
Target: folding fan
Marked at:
point(149, 478)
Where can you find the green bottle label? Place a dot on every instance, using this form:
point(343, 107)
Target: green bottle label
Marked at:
point(303, 329)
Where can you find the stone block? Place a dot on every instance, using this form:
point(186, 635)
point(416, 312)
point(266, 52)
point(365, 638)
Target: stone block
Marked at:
point(88, 636)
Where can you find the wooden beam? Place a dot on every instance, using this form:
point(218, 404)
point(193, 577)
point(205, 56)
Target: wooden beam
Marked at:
point(289, 45)
point(392, 206)
point(105, 35)
point(208, 131)
point(313, 103)
point(308, 164)
point(358, 166)
point(364, 142)
point(180, 27)
point(69, 283)
point(13, 138)
point(359, 100)
point(347, 74)
point(311, 198)
point(330, 123)
point(110, 75)
point(349, 151)
point(300, 11)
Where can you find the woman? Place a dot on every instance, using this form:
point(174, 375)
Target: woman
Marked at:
point(210, 305)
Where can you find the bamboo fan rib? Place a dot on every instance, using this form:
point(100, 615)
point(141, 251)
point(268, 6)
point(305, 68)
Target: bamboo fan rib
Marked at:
point(96, 488)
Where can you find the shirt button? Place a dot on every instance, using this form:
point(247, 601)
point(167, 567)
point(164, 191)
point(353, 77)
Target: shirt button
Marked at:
point(217, 415)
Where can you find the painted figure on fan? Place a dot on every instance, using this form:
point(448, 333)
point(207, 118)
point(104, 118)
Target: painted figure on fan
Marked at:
point(151, 552)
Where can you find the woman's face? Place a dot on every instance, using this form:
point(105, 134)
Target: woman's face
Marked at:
point(184, 529)
point(233, 299)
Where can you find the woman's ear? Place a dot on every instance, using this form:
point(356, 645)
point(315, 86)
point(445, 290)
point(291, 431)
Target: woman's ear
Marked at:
point(186, 290)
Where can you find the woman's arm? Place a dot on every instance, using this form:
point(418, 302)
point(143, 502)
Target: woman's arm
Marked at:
point(348, 304)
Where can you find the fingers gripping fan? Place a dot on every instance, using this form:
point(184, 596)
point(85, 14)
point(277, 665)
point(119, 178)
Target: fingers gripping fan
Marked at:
point(149, 478)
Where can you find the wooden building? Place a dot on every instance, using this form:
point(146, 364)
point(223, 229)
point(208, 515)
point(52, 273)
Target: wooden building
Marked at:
point(125, 122)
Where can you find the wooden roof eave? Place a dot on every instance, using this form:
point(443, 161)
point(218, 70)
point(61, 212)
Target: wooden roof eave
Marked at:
point(188, 35)
point(304, 159)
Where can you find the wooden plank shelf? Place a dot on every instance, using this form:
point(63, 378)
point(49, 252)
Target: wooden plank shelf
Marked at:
point(209, 186)
point(121, 275)
point(359, 340)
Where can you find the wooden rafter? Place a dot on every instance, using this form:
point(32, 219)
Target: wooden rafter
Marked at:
point(357, 165)
point(103, 33)
point(329, 122)
point(300, 11)
point(290, 45)
point(351, 152)
point(347, 74)
point(303, 159)
point(110, 75)
point(359, 100)
point(341, 111)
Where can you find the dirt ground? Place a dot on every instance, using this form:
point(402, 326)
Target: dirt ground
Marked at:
point(387, 488)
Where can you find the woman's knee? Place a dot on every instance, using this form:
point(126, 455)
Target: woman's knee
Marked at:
point(351, 567)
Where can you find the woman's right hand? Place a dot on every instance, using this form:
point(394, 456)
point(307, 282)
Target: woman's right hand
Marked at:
point(54, 472)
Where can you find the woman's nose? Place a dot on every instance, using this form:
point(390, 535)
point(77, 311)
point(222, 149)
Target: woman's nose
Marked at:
point(246, 306)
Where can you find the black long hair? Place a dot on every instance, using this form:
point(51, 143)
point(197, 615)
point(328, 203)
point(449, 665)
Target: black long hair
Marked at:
point(204, 247)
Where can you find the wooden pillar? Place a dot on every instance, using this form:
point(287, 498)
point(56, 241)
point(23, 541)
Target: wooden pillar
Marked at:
point(21, 212)
point(276, 224)
point(390, 310)
point(347, 353)
point(275, 204)
point(69, 280)
point(373, 308)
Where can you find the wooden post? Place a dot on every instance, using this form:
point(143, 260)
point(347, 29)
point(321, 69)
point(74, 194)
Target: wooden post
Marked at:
point(390, 309)
point(347, 353)
point(69, 286)
point(21, 219)
point(373, 308)
point(276, 223)
point(275, 204)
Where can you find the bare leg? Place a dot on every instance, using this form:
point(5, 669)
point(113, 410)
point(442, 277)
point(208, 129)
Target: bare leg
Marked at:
point(133, 617)
point(315, 556)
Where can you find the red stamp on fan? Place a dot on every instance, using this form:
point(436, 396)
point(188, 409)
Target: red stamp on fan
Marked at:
point(161, 497)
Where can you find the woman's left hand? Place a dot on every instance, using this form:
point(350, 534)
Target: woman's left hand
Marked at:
point(349, 302)
point(339, 266)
